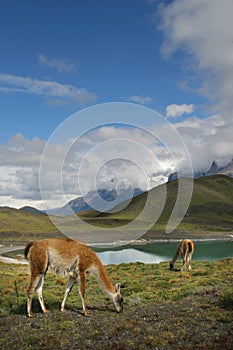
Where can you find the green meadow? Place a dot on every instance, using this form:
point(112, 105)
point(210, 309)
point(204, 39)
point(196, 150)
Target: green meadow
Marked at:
point(144, 282)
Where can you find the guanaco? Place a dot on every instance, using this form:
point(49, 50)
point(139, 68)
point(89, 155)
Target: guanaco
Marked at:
point(185, 249)
point(67, 257)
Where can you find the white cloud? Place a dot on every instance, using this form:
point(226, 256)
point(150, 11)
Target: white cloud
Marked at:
point(19, 173)
point(203, 30)
point(174, 110)
point(207, 139)
point(61, 65)
point(140, 99)
point(19, 170)
point(12, 83)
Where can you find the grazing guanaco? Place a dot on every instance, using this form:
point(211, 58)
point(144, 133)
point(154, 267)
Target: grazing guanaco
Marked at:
point(185, 249)
point(67, 257)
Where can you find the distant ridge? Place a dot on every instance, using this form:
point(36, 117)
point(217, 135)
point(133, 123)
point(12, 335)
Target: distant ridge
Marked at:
point(33, 210)
point(23, 226)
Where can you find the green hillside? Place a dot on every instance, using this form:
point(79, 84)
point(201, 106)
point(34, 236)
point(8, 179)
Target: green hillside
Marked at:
point(20, 226)
point(212, 201)
point(210, 210)
point(210, 213)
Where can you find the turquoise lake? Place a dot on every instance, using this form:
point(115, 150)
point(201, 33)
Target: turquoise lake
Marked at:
point(157, 252)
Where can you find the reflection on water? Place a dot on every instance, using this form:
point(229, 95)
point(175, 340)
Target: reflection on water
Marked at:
point(128, 256)
point(158, 252)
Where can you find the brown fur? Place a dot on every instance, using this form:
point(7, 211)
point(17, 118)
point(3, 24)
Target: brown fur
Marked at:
point(185, 249)
point(67, 257)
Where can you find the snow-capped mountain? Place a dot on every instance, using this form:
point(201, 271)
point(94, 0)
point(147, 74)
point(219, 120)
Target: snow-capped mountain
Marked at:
point(213, 170)
point(101, 200)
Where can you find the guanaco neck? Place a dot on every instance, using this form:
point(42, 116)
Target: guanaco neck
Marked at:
point(104, 280)
point(177, 253)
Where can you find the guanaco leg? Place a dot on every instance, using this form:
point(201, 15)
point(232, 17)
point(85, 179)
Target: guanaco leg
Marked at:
point(69, 286)
point(82, 279)
point(184, 263)
point(39, 289)
point(189, 258)
point(36, 283)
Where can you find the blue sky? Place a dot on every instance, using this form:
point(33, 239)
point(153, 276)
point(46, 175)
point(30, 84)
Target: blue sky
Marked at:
point(109, 48)
point(58, 58)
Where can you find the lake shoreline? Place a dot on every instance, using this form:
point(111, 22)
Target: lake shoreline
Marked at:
point(159, 240)
point(139, 241)
point(99, 247)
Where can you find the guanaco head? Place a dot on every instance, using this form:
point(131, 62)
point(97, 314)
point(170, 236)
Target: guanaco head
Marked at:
point(171, 266)
point(118, 299)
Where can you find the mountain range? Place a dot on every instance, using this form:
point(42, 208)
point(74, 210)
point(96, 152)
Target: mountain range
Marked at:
point(210, 209)
point(213, 170)
point(210, 213)
point(104, 200)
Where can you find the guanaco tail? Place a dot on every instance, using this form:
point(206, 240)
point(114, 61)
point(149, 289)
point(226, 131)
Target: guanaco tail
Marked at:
point(185, 249)
point(69, 258)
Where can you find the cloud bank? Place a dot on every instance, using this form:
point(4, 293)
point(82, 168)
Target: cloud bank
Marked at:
point(143, 162)
point(202, 30)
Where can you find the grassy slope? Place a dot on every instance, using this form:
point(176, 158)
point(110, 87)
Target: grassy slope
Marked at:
point(16, 225)
point(211, 207)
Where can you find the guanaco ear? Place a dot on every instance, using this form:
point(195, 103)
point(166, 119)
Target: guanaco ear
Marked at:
point(118, 287)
